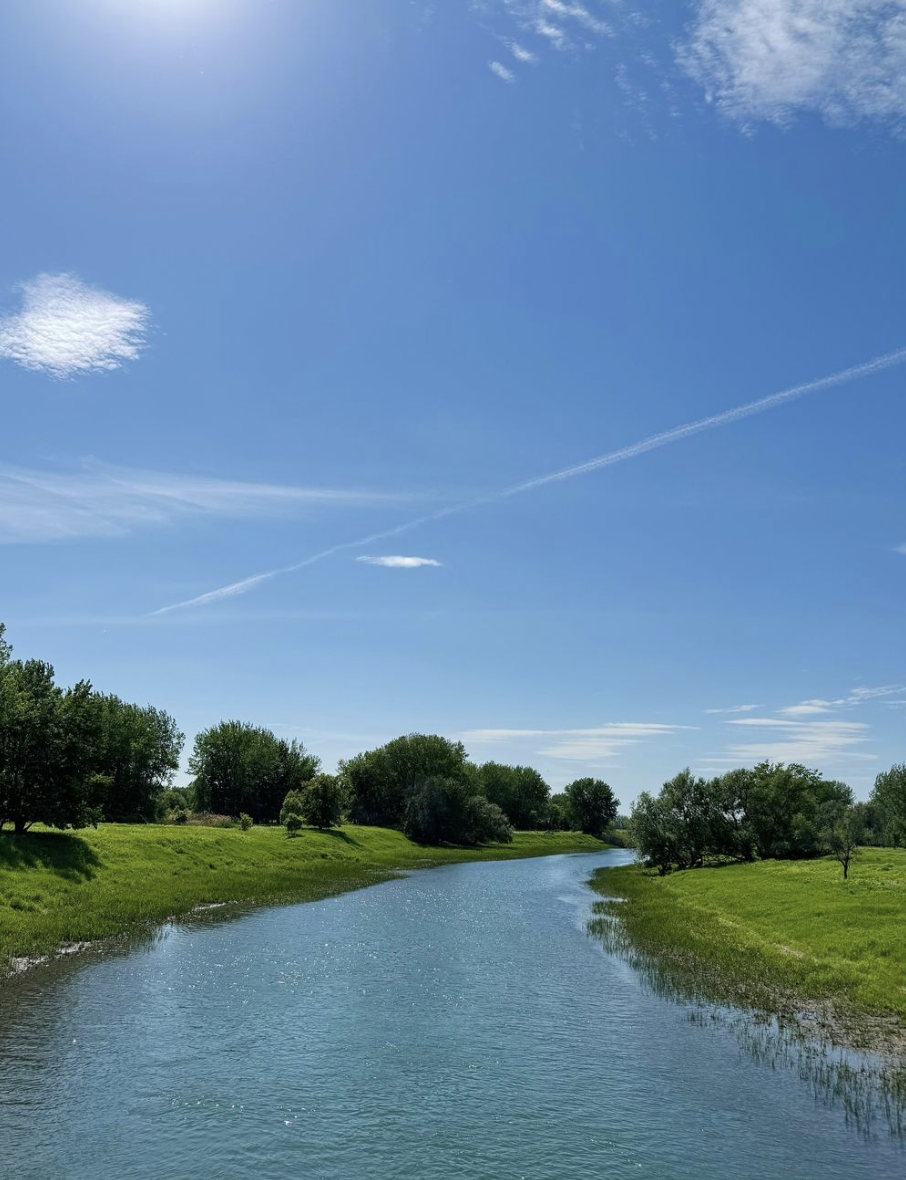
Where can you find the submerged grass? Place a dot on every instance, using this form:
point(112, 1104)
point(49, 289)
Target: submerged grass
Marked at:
point(804, 966)
point(775, 935)
point(63, 888)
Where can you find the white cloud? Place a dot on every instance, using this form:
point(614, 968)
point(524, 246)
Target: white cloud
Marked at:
point(521, 53)
point(97, 501)
point(597, 745)
point(900, 549)
point(735, 709)
point(501, 71)
point(397, 562)
point(768, 59)
point(65, 327)
point(809, 742)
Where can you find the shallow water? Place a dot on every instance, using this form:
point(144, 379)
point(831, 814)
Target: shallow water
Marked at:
point(458, 1023)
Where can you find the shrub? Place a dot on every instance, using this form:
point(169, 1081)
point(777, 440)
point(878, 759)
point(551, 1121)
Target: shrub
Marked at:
point(180, 816)
point(292, 823)
point(245, 821)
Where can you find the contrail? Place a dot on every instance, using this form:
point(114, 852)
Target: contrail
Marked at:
point(651, 443)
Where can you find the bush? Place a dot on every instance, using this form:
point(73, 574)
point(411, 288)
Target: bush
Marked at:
point(180, 816)
point(245, 821)
point(293, 823)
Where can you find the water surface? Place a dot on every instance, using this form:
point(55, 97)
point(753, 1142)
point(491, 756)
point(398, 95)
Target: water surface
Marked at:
point(458, 1023)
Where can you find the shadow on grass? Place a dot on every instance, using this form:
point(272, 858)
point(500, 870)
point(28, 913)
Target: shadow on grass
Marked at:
point(338, 835)
point(62, 853)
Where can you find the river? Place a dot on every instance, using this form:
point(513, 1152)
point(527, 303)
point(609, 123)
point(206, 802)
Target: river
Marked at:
point(457, 1023)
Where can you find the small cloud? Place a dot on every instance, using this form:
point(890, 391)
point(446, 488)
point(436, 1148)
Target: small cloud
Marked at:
point(66, 327)
point(501, 71)
point(900, 549)
point(735, 709)
point(810, 708)
point(521, 53)
point(397, 562)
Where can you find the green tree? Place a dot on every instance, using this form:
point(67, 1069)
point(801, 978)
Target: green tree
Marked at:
point(843, 832)
point(519, 791)
point(379, 782)
point(138, 753)
point(591, 806)
point(889, 797)
point(48, 744)
point(293, 823)
point(322, 802)
point(449, 810)
point(241, 767)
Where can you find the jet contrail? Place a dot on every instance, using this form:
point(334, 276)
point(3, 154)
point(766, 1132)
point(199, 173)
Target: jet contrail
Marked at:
point(651, 443)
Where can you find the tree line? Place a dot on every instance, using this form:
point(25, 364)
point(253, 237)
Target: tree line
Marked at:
point(74, 756)
point(772, 810)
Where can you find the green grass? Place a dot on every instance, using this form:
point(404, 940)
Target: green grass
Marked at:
point(773, 935)
point(62, 887)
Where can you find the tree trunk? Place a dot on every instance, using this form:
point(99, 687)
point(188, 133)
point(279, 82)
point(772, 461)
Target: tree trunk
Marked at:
point(845, 868)
point(20, 827)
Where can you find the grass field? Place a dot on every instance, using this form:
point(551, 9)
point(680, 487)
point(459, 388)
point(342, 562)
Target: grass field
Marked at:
point(774, 934)
point(61, 887)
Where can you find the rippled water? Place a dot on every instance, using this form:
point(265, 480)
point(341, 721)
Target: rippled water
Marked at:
point(458, 1023)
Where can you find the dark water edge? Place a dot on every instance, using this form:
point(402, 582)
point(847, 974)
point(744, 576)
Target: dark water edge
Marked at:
point(869, 1088)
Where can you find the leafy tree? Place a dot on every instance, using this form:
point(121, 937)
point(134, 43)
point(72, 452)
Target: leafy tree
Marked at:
point(173, 799)
point(556, 815)
point(240, 767)
point(519, 791)
point(379, 782)
point(138, 753)
point(889, 797)
point(293, 823)
point(591, 806)
point(48, 739)
point(245, 821)
point(449, 810)
point(322, 802)
point(293, 804)
point(843, 832)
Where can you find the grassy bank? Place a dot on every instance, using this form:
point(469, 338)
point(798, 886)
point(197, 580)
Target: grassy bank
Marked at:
point(774, 935)
point(63, 887)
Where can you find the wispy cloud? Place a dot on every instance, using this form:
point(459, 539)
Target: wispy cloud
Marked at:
point(521, 53)
point(900, 549)
point(813, 743)
point(397, 562)
point(65, 328)
point(735, 709)
point(651, 443)
point(857, 696)
point(768, 59)
point(98, 501)
point(595, 745)
point(498, 68)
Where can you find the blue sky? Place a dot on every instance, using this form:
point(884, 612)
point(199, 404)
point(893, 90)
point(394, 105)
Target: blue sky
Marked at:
point(283, 275)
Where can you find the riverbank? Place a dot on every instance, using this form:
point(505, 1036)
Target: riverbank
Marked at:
point(65, 888)
point(790, 938)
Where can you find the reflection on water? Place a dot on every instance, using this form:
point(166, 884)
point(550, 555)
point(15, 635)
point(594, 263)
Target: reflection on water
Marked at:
point(457, 1023)
point(869, 1088)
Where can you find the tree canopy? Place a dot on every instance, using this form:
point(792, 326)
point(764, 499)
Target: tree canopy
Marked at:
point(379, 782)
point(241, 767)
point(519, 791)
